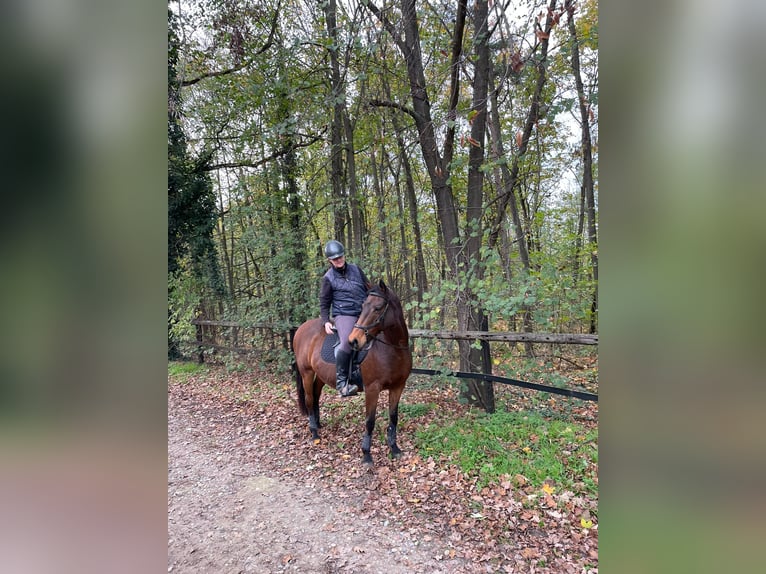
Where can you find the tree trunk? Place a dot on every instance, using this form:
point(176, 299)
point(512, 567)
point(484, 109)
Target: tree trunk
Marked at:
point(404, 249)
point(511, 178)
point(294, 243)
point(470, 315)
point(587, 157)
point(227, 258)
point(421, 279)
point(357, 217)
point(336, 125)
point(578, 237)
point(436, 165)
point(507, 197)
point(377, 168)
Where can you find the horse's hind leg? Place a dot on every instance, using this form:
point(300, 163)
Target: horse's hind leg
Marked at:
point(317, 394)
point(393, 420)
point(312, 403)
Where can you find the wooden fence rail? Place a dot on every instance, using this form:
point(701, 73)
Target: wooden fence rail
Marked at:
point(508, 336)
point(285, 337)
point(498, 336)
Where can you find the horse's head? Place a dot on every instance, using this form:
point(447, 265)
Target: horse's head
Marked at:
point(372, 319)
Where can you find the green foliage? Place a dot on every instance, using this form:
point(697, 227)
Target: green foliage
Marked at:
point(191, 205)
point(182, 371)
point(415, 410)
point(277, 207)
point(286, 292)
point(184, 297)
point(431, 309)
point(191, 211)
point(510, 443)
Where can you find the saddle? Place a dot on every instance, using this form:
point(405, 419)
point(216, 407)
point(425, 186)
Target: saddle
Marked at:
point(328, 354)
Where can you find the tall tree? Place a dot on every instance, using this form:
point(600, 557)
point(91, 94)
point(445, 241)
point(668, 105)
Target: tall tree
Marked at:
point(588, 195)
point(481, 392)
point(421, 279)
point(510, 177)
point(280, 143)
point(337, 100)
point(437, 164)
point(191, 202)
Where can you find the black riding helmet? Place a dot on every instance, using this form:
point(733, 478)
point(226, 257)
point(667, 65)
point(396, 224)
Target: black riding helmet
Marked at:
point(334, 249)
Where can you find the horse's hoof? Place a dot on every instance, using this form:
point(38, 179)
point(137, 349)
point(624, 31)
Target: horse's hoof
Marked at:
point(395, 454)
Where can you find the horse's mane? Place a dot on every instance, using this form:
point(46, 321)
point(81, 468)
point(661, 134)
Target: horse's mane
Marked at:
point(382, 290)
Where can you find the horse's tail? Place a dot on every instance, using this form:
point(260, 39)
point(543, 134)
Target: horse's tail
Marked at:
point(299, 389)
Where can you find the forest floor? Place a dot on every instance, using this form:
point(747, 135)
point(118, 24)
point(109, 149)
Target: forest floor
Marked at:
point(248, 491)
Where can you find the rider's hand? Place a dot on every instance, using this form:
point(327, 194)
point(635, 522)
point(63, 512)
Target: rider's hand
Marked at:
point(328, 328)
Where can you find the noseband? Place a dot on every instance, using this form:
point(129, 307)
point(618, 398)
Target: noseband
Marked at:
point(378, 321)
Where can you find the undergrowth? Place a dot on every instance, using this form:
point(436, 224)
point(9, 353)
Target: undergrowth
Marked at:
point(511, 443)
point(182, 370)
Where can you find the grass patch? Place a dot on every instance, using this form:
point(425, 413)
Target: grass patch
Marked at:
point(414, 410)
point(337, 412)
point(183, 370)
point(490, 446)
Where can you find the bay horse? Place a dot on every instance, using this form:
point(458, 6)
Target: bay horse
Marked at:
point(385, 368)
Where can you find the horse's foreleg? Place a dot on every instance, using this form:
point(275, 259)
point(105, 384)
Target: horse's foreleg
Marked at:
point(393, 421)
point(367, 439)
point(371, 406)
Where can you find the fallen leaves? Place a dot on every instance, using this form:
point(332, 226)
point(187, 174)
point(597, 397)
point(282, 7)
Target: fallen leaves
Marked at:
point(530, 553)
point(510, 525)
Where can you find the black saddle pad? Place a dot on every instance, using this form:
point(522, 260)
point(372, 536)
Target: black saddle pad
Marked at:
point(328, 349)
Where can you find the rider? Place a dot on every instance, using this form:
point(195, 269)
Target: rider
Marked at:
point(344, 289)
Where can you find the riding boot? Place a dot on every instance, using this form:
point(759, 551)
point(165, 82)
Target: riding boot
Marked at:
point(355, 374)
point(342, 365)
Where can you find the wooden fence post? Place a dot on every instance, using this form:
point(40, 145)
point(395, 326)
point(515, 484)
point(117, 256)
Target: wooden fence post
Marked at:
point(200, 349)
point(486, 367)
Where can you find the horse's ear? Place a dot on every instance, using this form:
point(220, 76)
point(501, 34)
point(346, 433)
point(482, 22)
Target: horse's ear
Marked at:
point(382, 285)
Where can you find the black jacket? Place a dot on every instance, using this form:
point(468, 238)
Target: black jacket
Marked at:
point(343, 291)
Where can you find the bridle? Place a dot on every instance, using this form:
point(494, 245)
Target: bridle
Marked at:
point(378, 321)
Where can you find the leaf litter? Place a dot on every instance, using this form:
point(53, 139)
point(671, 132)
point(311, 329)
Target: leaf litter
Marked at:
point(413, 514)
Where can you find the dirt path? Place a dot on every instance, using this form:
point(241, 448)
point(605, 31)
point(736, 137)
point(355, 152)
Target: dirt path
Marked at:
point(228, 514)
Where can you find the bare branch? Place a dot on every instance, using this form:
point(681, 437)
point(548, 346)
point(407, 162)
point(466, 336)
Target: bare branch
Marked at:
point(390, 28)
point(265, 160)
point(246, 63)
point(193, 81)
point(400, 107)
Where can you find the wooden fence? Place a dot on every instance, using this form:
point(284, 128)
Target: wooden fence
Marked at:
point(238, 332)
point(276, 337)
